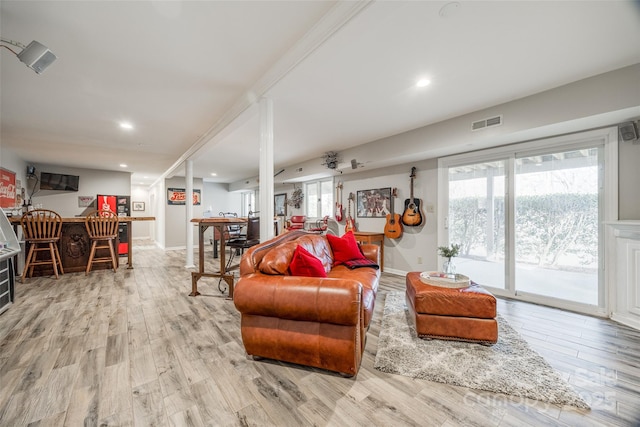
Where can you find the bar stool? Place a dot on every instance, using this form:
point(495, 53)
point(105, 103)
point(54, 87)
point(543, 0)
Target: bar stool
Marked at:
point(102, 226)
point(42, 229)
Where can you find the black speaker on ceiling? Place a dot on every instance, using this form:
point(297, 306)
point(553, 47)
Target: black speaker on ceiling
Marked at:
point(628, 132)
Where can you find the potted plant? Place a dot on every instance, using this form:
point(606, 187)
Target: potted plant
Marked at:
point(449, 252)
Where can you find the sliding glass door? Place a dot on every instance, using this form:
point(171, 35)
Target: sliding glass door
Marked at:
point(477, 220)
point(556, 224)
point(529, 217)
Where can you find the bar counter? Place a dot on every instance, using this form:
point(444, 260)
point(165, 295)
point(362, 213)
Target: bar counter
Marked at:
point(75, 244)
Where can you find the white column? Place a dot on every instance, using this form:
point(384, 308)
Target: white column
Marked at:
point(188, 177)
point(266, 169)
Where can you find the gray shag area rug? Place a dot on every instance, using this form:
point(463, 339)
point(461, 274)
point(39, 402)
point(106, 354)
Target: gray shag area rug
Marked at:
point(509, 367)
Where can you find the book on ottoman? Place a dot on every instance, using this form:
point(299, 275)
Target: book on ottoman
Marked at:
point(436, 278)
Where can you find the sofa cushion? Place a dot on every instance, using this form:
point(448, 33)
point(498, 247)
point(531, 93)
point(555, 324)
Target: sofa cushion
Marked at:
point(276, 261)
point(344, 248)
point(304, 263)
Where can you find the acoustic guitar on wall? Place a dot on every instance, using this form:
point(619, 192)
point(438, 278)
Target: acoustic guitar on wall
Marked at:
point(412, 217)
point(393, 227)
point(339, 209)
point(350, 223)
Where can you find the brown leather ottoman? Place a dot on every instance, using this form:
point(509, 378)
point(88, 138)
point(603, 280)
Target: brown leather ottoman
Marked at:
point(464, 314)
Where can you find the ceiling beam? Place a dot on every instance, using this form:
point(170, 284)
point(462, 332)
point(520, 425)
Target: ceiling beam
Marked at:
point(339, 15)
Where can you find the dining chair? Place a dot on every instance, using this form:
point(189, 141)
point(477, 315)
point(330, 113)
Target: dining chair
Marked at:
point(238, 245)
point(42, 229)
point(231, 231)
point(252, 238)
point(234, 230)
point(102, 226)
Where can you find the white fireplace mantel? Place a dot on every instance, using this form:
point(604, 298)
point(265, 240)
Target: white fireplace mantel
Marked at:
point(622, 262)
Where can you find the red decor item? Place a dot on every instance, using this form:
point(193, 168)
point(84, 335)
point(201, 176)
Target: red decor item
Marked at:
point(344, 248)
point(358, 263)
point(304, 263)
point(7, 188)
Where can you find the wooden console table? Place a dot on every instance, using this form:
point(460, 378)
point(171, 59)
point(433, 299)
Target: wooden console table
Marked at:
point(220, 223)
point(370, 237)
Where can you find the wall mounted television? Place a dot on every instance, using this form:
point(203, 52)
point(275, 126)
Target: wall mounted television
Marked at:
point(59, 182)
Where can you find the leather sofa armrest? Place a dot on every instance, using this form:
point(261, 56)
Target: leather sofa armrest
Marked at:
point(371, 252)
point(311, 299)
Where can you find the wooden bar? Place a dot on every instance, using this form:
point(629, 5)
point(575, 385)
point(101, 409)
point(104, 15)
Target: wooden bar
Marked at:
point(75, 244)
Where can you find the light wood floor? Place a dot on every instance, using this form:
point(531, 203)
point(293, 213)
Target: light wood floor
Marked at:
point(131, 348)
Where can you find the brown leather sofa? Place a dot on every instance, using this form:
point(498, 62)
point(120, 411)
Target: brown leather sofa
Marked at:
point(311, 321)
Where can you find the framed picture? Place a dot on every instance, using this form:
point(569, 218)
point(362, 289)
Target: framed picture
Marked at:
point(280, 204)
point(137, 206)
point(373, 203)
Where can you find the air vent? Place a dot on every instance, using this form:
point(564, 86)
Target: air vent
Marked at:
point(485, 123)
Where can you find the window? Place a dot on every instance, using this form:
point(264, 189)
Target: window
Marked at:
point(318, 198)
point(529, 217)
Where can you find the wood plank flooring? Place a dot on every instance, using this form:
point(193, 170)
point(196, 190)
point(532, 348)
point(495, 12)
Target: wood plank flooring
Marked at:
point(132, 348)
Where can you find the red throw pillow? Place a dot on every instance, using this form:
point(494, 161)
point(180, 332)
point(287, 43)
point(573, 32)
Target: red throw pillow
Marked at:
point(305, 263)
point(344, 248)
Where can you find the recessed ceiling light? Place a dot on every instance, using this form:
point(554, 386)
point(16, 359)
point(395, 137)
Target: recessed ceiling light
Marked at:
point(423, 82)
point(214, 174)
point(123, 165)
point(126, 125)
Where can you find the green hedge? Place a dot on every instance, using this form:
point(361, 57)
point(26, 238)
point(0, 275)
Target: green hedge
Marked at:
point(547, 227)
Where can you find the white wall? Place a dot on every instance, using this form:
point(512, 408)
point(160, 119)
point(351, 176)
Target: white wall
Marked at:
point(157, 200)
point(141, 229)
point(628, 180)
point(216, 198)
point(92, 182)
point(175, 224)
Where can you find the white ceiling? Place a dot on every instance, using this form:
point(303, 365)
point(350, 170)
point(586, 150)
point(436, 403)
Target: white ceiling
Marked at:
point(340, 74)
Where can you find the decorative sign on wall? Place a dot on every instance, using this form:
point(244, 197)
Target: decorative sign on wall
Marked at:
point(177, 196)
point(85, 201)
point(7, 188)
